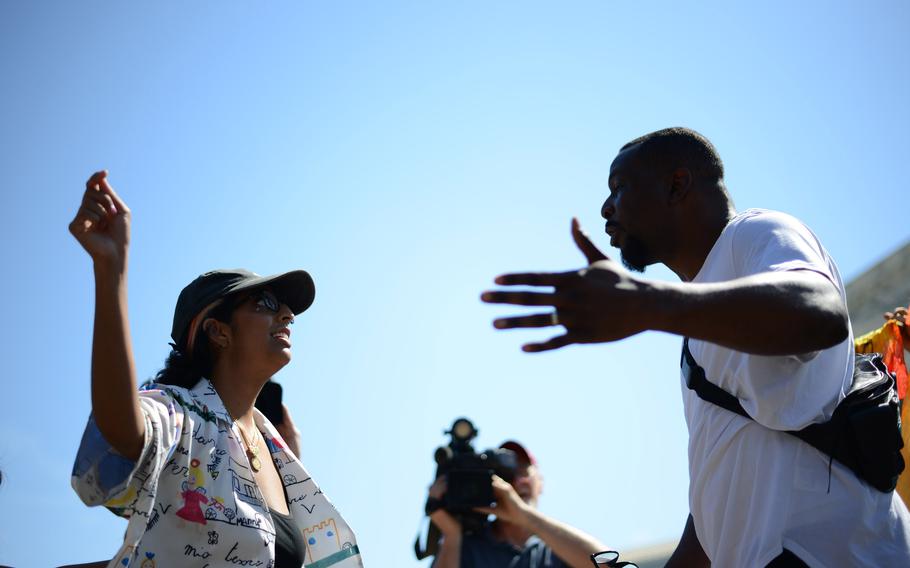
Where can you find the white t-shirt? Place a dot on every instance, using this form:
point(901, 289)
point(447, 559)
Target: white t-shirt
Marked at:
point(754, 490)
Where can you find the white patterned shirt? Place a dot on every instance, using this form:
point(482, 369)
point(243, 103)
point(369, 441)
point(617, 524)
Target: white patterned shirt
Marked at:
point(191, 498)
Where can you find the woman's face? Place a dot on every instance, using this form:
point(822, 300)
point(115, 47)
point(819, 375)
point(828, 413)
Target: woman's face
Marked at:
point(260, 332)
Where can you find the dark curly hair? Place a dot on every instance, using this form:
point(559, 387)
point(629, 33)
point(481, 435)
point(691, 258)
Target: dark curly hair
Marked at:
point(183, 369)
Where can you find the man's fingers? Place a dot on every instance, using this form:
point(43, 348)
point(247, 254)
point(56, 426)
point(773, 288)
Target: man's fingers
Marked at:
point(536, 278)
point(523, 298)
point(536, 320)
point(550, 344)
point(585, 245)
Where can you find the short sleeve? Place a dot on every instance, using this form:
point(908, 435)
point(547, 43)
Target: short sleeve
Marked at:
point(769, 241)
point(101, 476)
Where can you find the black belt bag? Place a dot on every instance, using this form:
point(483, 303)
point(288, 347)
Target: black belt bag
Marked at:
point(864, 433)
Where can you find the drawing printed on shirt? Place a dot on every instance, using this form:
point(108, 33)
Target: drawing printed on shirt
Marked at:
point(205, 413)
point(212, 467)
point(216, 506)
point(321, 539)
point(244, 488)
point(193, 496)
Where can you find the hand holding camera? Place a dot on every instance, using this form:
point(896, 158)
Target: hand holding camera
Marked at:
point(509, 506)
point(467, 476)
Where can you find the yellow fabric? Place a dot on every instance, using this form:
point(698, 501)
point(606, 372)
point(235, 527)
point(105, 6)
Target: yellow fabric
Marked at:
point(887, 340)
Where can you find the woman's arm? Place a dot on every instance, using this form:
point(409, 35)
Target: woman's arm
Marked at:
point(102, 227)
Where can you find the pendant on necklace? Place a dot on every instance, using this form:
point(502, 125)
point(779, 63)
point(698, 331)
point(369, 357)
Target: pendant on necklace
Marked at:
point(253, 455)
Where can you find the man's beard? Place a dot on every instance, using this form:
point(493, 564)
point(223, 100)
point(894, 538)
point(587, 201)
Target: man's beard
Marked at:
point(635, 254)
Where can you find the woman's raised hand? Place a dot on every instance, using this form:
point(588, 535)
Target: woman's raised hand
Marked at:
point(102, 223)
point(102, 227)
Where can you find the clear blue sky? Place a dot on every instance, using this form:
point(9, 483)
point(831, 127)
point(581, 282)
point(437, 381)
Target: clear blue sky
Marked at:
point(405, 153)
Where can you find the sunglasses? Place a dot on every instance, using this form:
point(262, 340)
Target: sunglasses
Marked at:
point(265, 300)
point(609, 559)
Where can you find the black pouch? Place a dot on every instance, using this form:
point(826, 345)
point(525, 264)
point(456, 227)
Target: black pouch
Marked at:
point(864, 433)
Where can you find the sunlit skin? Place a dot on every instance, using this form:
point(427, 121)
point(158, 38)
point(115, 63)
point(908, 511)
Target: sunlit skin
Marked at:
point(517, 519)
point(672, 217)
point(247, 352)
point(899, 314)
point(513, 500)
point(636, 219)
point(250, 349)
point(665, 209)
point(528, 483)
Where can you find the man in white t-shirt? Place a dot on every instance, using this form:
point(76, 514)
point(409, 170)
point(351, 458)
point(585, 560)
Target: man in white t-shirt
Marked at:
point(765, 311)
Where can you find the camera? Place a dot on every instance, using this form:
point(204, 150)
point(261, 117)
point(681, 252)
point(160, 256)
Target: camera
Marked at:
point(469, 474)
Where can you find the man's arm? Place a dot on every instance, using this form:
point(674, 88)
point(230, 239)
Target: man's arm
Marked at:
point(689, 553)
point(571, 545)
point(449, 554)
point(774, 313)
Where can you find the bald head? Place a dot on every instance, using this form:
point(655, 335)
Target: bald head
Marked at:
point(667, 201)
point(671, 148)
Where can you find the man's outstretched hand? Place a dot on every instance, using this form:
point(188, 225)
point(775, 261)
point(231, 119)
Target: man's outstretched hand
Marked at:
point(600, 303)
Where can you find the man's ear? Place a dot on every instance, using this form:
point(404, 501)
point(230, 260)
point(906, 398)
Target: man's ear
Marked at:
point(680, 184)
point(218, 332)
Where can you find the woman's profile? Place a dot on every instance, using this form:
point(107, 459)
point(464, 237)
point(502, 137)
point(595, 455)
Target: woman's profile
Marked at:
point(204, 477)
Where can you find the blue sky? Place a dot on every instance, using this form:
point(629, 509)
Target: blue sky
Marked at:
point(405, 153)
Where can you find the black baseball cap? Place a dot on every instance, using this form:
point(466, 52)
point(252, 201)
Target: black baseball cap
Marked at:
point(294, 288)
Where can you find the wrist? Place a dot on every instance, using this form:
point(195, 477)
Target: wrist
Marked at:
point(663, 302)
point(110, 268)
point(447, 525)
point(451, 540)
point(525, 516)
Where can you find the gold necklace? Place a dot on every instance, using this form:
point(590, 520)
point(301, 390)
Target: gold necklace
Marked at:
point(252, 452)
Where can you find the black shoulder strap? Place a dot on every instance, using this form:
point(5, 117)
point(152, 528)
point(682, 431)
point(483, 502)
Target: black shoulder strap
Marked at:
point(705, 389)
point(877, 461)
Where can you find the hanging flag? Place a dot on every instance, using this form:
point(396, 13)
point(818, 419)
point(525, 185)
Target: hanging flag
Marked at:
point(888, 341)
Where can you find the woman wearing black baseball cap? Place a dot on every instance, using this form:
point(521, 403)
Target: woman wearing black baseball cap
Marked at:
point(200, 473)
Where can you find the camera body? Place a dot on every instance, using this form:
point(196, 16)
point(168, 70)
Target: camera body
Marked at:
point(469, 474)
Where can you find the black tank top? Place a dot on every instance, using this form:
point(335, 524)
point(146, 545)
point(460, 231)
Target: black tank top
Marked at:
point(289, 545)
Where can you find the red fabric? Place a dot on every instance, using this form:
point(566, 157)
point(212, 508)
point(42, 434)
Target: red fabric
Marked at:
point(894, 358)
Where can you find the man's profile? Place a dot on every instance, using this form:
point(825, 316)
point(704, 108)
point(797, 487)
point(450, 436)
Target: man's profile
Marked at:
point(764, 309)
